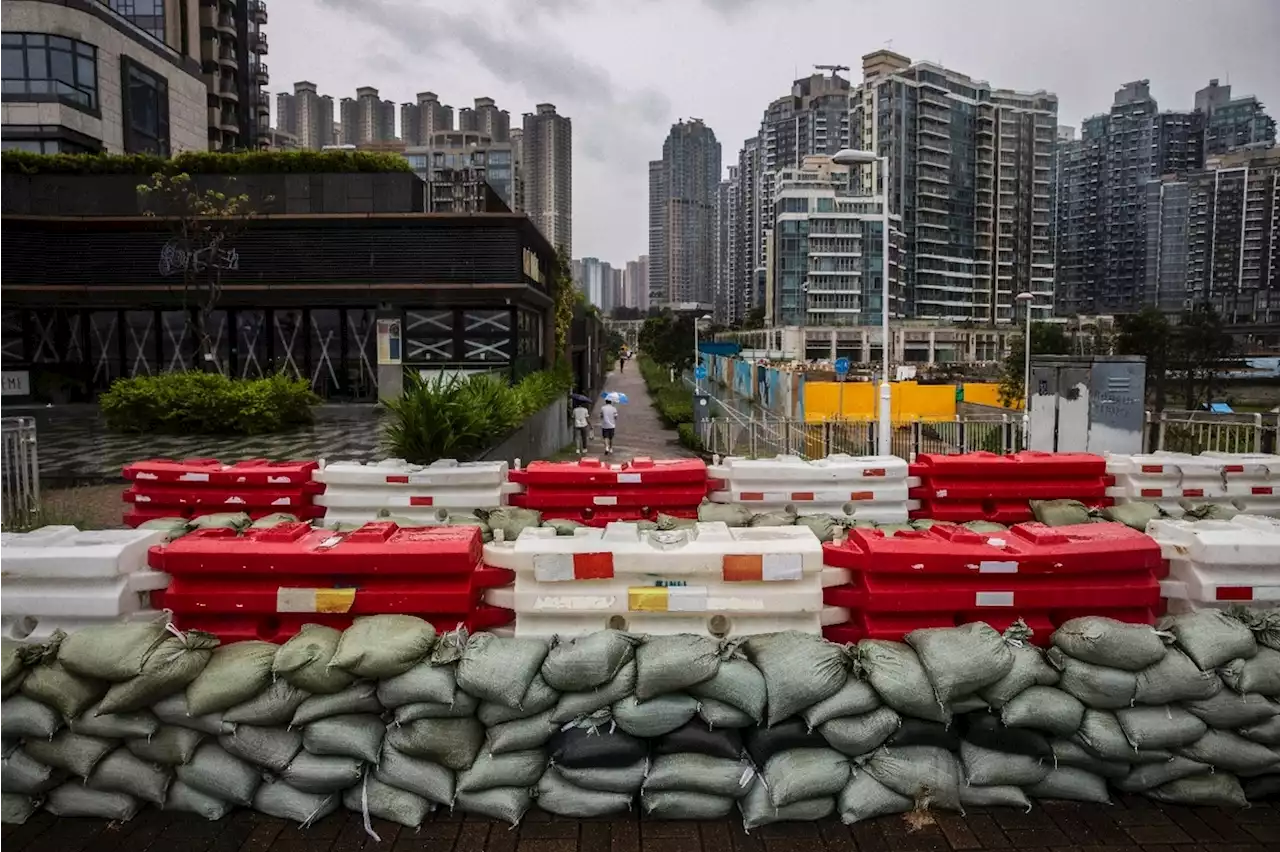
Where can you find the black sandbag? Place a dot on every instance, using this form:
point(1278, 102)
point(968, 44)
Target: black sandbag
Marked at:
point(918, 732)
point(763, 743)
point(586, 748)
point(986, 730)
point(698, 738)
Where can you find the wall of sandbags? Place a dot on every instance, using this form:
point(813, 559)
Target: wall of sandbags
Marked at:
point(389, 719)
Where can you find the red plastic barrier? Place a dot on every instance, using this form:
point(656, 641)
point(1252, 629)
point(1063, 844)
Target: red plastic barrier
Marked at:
point(988, 487)
point(262, 582)
point(141, 512)
point(164, 488)
point(224, 498)
point(622, 496)
point(214, 472)
point(593, 472)
point(1026, 465)
point(595, 493)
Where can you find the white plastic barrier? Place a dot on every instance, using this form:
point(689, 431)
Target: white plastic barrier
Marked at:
point(865, 488)
point(1248, 482)
point(1220, 563)
point(710, 580)
point(58, 577)
point(356, 492)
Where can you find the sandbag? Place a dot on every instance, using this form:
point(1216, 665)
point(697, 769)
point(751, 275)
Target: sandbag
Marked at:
point(25, 718)
point(655, 717)
point(586, 662)
point(799, 670)
point(736, 682)
point(360, 697)
point(383, 801)
point(824, 527)
point(21, 773)
point(1071, 753)
point(1211, 638)
point(521, 734)
point(917, 732)
point(452, 743)
point(572, 705)
point(514, 769)
point(1073, 785)
point(608, 779)
point(1159, 727)
point(426, 681)
point(865, 798)
point(500, 670)
point(123, 772)
point(304, 660)
point(1215, 790)
point(685, 804)
point(1145, 776)
point(117, 726)
point(895, 672)
point(973, 796)
point(1060, 513)
point(697, 738)
point(563, 526)
point(1227, 751)
point(173, 711)
point(1098, 687)
point(382, 646)
point(168, 669)
point(1260, 674)
point(1115, 644)
point(1173, 679)
point(803, 774)
point(699, 773)
point(585, 747)
point(170, 745)
point(855, 698)
point(16, 809)
point(986, 768)
point(275, 519)
point(174, 528)
point(986, 730)
point(962, 660)
point(322, 773)
point(1100, 733)
point(463, 705)
point(235, 673)
point(13, 666)
point(732, 514)
point(920, 773)
point(217, 773)
point(557, 796)
point(112, 652)
point(537, 699)
point(270, 748)
point(1230, 709)
point(1133, 515)
point(72, 752)
point(674, 663)
point(237, 521)
point(275, 705)
point(1044, 708)
point(279, 799)
point(718, 714)
point(757, 809)
point(1267, 733)
point(187, 799)
point(781, 518)
point(763, 743)
point(507, 804)
point(53, 684)
point(511, 521)
point(73, 799)
point(429, 780)
point(1029, 669)
point(859, 735)
point(353, 735)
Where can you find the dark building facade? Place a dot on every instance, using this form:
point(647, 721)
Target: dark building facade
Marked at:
point(87, 301)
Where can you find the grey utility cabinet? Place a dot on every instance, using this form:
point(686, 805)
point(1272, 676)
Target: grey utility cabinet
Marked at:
point(1089, 404)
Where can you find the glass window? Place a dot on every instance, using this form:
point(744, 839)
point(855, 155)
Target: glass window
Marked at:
point(146, 110)
point(35, 64)
point(146, 15)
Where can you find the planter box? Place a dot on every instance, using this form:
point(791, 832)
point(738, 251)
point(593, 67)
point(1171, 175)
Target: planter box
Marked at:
point(545, 433)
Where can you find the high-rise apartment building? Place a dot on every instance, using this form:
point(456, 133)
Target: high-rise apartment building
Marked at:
point(970, 175)
point(635, 283)
point(748, 282)
point(474, 154)
point(486, 118)
point(547, 163)
point(307, 115)
point(232, 45)
point(688, 184)
point(1233, 122)
point(726, 245)
point(367, 118)
point(657, 280)
point(599, 282)
point(421, 121)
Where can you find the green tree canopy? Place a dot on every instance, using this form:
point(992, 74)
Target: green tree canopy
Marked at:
point(1046, 339)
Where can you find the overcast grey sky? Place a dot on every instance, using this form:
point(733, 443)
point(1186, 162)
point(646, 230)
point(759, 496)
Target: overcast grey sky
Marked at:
point(624, 71)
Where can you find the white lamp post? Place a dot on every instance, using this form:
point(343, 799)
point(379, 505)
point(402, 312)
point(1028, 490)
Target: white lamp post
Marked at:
point(1026, 299)
point(850, 157)
point(697, 357)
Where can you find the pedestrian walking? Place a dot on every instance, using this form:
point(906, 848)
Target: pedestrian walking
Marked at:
point(608, 424)
point(581, 426)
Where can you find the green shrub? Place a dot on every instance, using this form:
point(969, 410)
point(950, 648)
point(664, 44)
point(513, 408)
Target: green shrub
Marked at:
point(672, 400)
point(452, 417)
point(207, 403)
point(204, 163)
point(688, 434)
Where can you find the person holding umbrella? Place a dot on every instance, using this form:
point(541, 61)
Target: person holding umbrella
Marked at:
point(609, 420)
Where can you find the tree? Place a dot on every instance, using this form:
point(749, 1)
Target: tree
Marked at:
point(754, 319)
point(1201, 351)
point(668, 340)
point(564, 296)
point(1148, 333)
point(1046, 339)
point(625, 312)
point(205, 224)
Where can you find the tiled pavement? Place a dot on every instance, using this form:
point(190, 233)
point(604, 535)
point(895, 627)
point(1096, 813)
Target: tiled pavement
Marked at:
point(1131, 825)
point(640, 432)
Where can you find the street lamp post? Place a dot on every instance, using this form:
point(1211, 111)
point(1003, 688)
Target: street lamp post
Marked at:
point(697, 356)
point(1026, 299)
point(851, 157)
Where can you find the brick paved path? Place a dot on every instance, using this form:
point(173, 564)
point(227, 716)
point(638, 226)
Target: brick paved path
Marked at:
point(640, 432)
point(1133, 824)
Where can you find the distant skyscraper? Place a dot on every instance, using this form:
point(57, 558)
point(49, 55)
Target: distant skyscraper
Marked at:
point(635, 283)
point(687, 183)
point(307, 115)
point(367, 118)
point(1233, 122)
point(422, 120)
point(598, 281)
point(486, 118)
point(546, 151)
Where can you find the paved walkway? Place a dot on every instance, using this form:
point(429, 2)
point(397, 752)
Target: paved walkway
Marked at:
point(1132, 824)
point(640, 430)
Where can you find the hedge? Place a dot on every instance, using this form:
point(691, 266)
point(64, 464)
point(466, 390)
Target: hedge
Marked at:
point(204, 163)
point(207, 403)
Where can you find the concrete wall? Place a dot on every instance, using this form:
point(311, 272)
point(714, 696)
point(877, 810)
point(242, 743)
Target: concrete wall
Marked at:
point(545, 433)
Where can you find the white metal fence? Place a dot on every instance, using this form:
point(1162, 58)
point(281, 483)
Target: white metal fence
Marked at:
point(19, 472)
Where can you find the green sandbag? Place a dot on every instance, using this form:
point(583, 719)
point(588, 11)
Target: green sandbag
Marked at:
point(562, 526)
point(733, 514)
point(235, 673)
point(170, 667)
point(669, 522)
point(1208, 511)
point(511, 520)
point(237, 521)
point(112, 652)
point(383, 646)
point(65, 691)
point(13, 665)
point(304, 660)
point(823, 526)
point(985, 527)
point(174, 528)
point(773, 519)
point(273, 520)
point(890, 530)
point(1060, 513)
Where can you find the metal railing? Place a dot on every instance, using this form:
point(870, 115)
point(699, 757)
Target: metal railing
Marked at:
point(1203, 431)
point(19, 472)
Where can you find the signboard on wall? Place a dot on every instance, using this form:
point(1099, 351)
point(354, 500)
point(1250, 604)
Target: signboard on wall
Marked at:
point(15, 383)
point(389, 342)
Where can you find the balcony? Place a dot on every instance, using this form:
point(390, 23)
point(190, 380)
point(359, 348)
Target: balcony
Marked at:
point(227, 57)
point(260, 74)
point(258, 43)
point(258, 11)
point(262, 101)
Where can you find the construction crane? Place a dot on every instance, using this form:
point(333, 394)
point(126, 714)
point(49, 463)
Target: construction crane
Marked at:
point(834, 69)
